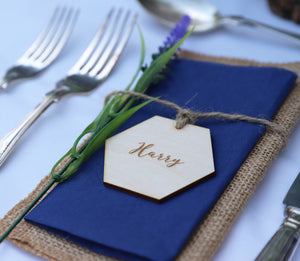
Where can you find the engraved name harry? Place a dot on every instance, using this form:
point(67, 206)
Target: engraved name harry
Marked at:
point(143, 151)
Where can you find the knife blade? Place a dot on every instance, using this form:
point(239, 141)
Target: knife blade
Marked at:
point(282, 245)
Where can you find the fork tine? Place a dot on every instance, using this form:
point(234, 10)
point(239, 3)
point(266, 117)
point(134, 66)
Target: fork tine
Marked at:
point(53, 35)
point(45, 48)
point(36, 44)
point(61, 37)
point(91, 47)
point(103, 68)
point(108, 39)
point(53, 29)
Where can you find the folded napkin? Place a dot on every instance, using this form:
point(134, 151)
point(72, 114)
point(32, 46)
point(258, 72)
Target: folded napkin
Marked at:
point(121, 225)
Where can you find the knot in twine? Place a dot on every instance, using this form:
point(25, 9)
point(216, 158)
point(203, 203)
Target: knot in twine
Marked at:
point(184, 117)
point(187, 116)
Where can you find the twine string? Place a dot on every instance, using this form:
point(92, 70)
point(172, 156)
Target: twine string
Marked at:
point(186, 116)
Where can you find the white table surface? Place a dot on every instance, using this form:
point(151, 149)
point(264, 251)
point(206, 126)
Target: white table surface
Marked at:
point(55, 131)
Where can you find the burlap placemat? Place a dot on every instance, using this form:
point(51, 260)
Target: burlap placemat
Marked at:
point(211, 232)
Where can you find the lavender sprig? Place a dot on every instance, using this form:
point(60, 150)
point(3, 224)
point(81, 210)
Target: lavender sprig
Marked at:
point(172, 39)
point(175, 35)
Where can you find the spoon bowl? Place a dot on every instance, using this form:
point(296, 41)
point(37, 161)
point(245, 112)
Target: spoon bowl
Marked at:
point(204, 16)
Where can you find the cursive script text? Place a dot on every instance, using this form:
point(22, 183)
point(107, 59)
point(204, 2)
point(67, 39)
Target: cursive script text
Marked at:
point(144, 151)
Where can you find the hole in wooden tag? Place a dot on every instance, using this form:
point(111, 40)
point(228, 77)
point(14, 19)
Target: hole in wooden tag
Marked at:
point(155, 160)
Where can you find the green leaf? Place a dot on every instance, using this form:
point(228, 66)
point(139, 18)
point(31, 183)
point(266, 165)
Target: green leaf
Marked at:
point(99, 138)
point(142, 59)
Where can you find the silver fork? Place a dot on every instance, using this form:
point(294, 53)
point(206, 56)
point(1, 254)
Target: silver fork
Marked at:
point(93, 67)
point(45, 48)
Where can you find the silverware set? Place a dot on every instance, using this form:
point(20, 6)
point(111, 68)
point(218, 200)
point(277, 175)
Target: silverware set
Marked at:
point(91, 70)
point(98, 61)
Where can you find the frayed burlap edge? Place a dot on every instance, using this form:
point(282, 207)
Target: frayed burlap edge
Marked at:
point(209, 235)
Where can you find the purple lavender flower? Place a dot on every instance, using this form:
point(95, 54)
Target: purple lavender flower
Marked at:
point(175, 35)
point(177, 32)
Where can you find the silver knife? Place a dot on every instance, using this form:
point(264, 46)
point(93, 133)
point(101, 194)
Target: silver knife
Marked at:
point(282, 245)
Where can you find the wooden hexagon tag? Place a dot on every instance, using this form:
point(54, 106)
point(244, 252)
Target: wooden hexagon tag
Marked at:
point(155, 160)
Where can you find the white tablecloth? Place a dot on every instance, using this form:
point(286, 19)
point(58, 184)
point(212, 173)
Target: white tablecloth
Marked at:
point(55, 131)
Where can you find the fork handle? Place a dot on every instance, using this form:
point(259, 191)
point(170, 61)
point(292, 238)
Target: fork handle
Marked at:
point(8, 142)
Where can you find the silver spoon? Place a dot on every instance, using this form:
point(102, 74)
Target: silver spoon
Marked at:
point(204, 16)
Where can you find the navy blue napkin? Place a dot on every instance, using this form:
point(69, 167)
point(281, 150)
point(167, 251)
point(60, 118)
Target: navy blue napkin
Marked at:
point(125, 226)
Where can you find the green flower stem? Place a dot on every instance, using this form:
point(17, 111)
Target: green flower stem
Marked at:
point(27, 209)
point(35, 201)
